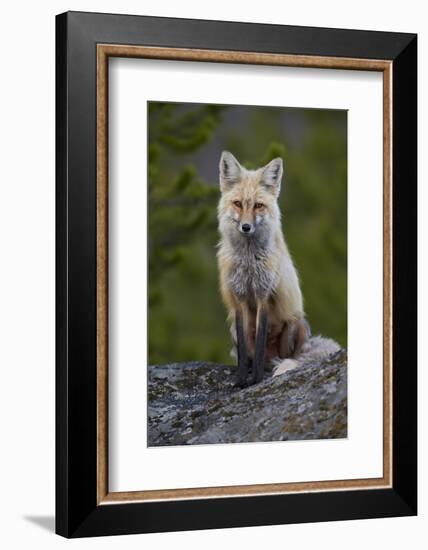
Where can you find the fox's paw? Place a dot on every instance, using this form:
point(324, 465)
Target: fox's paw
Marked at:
point(240, 384)
point(255, 379)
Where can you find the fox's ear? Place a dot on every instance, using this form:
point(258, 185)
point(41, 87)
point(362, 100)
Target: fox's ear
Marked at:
point(271, 176)
point(230, 171)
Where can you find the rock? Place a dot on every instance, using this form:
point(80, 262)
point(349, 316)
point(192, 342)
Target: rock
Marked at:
point(197, 403)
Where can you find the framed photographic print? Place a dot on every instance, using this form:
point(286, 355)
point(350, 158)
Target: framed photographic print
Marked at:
point(236, 274)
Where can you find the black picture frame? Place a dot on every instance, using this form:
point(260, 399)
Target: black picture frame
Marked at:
point(77, 511)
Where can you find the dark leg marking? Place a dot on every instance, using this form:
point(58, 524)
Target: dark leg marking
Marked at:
point(284, 345)
point(250, 365)
point(242, 352)
point(260, 348)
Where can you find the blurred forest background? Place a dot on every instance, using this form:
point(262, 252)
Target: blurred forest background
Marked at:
point(187, 320)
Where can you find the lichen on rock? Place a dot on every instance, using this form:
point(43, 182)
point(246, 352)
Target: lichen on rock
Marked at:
point(197, 403)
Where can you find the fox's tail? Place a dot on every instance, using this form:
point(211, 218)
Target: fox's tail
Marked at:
point(314, 349)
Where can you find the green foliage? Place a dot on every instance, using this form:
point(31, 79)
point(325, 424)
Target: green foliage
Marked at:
point(186, 316)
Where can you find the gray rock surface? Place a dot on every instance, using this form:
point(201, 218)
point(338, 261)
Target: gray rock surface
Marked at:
point(196, 403)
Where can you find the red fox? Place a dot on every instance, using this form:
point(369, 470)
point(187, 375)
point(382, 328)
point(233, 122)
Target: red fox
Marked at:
point(258, 281)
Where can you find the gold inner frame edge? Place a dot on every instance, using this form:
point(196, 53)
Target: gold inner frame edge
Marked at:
point(104, 51)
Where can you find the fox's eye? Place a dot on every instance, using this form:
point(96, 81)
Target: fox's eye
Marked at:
point(258, 205)
point(238, 204)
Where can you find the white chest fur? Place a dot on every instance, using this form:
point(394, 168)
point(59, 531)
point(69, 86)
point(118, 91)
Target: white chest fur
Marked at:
point(251, 276)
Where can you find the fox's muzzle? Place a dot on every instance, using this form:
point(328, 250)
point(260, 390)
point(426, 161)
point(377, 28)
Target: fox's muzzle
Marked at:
point(246, 228)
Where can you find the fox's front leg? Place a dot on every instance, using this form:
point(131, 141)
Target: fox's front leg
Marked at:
point(241, 344)
point(260, 347)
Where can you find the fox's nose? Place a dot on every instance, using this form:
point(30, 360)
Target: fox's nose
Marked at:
point(246, 227)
